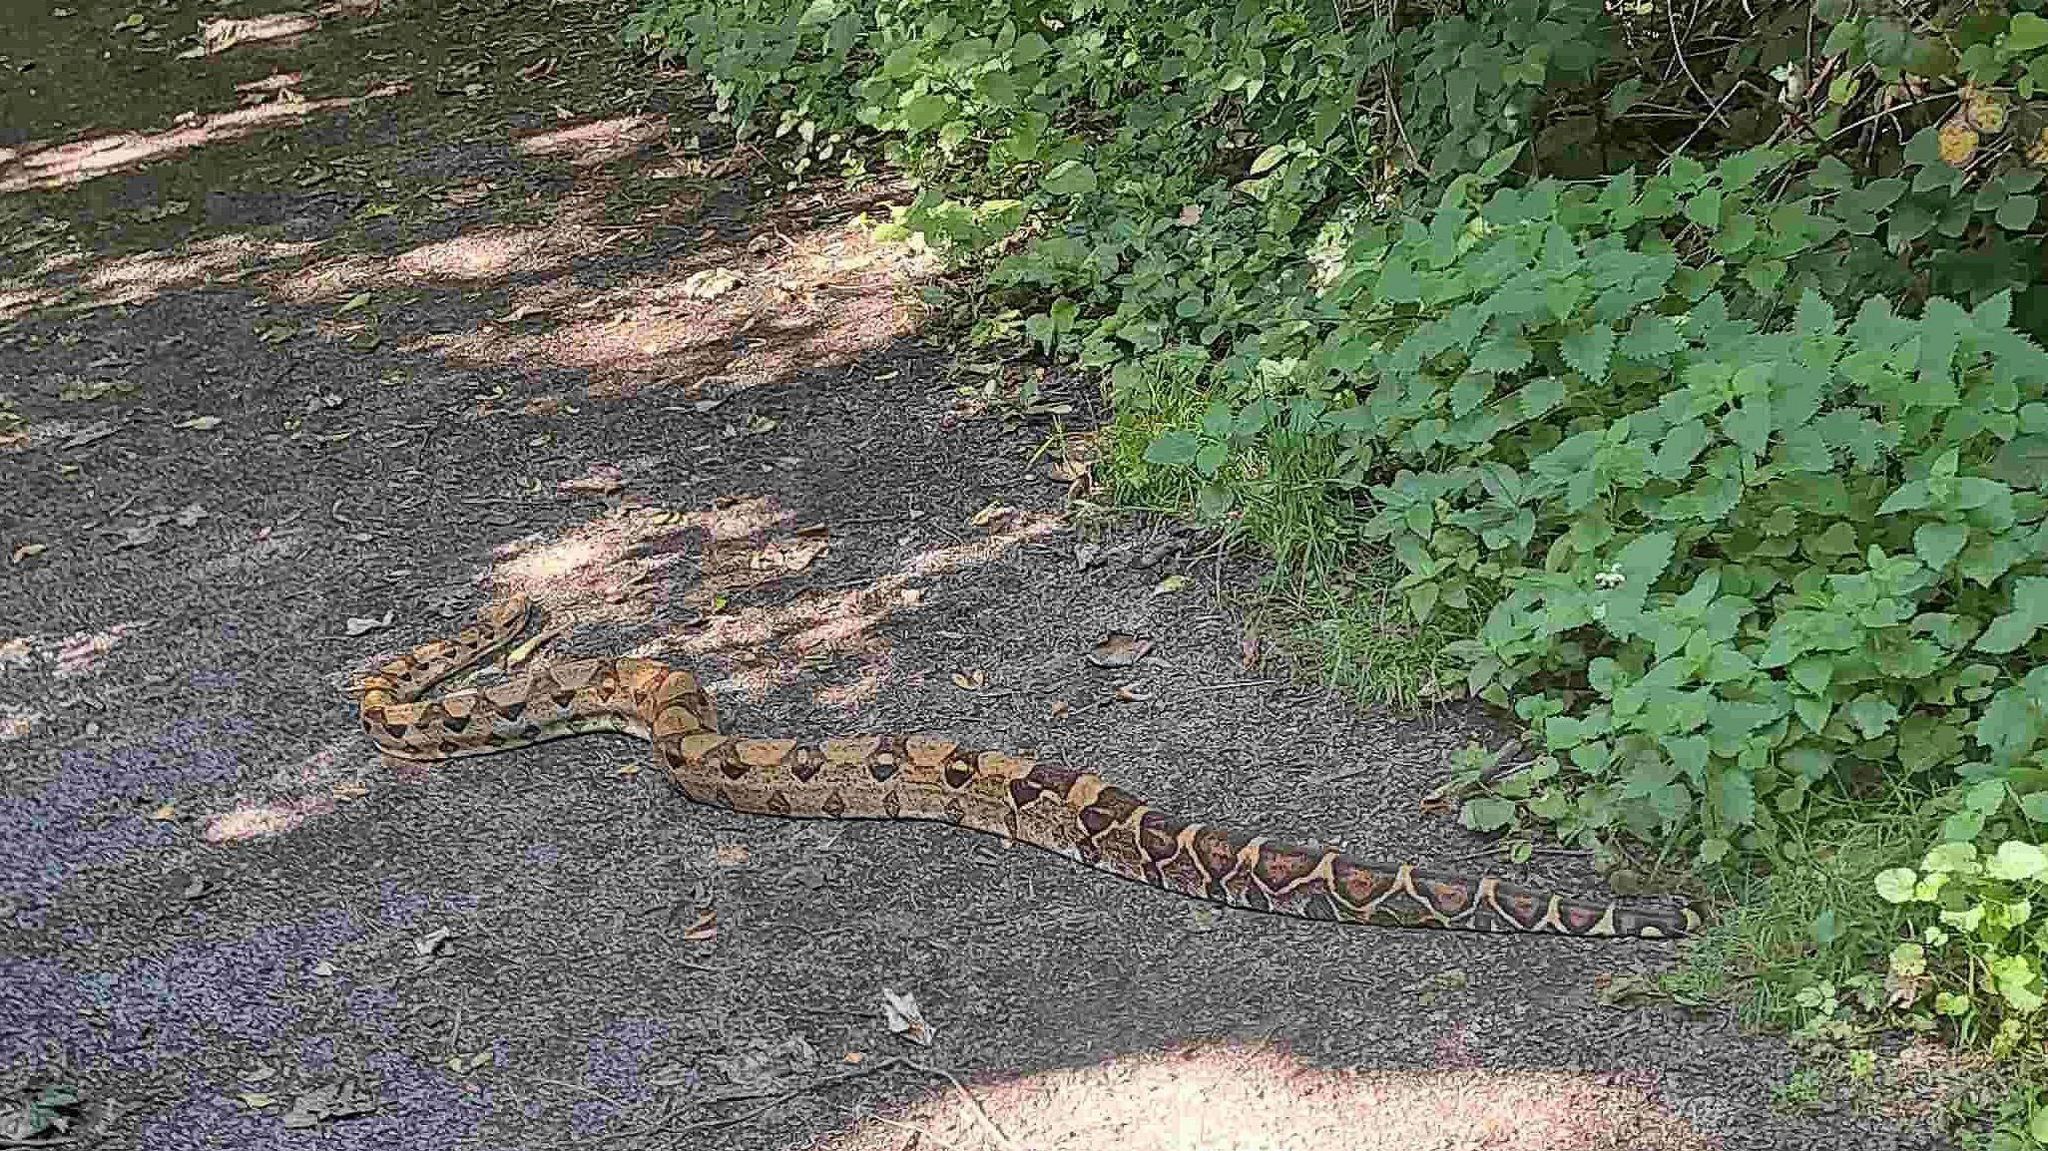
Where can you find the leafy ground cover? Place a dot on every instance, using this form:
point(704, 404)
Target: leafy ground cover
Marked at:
point(1665, 377)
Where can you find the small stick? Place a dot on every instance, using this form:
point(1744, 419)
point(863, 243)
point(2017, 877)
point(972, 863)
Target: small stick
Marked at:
point(973, 1104)
point(567, 1086)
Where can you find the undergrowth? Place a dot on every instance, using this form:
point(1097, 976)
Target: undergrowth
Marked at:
point(1678, 363)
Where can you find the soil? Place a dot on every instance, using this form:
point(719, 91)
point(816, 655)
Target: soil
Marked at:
point(315, 342)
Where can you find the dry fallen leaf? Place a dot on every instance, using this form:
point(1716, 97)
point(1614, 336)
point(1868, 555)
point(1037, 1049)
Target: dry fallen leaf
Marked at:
point(972, 679)
point(710, 283)
point(729, 854)
point(350, 790)
point(1190, 215)
point(990, 514)
point(165, 813)
point(704, 930)
point(1170, 585)
point(199, 423)
point(28, 551)
point(905, 1019)
point(431, 942)
point(1059, 708)
point(1119, 649)
point(1127, 693)
point(600, 480)
point(853, 1057)
point(189, 515)
point(364, 625)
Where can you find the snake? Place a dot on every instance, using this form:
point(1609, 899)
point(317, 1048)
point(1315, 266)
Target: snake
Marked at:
point(1073, 813)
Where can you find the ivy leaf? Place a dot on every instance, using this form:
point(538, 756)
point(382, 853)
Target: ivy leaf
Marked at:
point(1590, 352)
point(1937, 544)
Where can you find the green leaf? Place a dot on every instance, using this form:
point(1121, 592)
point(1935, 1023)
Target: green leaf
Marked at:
point(1590, 352)
point(2026, 32)
point(1937, 544)
point(1266, 159)
point(1499, 161)
point(1070, 178)
point(1896, 884)
point(1173, 449)
point(2017, 213)
point(1734, 797)
point(1871, 714)
point(1485, 813)
point(2007, 632)
point(1645, 558)
point(2016, 861)
point(927, 111)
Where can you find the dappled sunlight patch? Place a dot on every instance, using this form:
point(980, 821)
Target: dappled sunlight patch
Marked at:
point(974, 553)
point(65, 657)
point(615, 565)
point(474, 257)
point(56, 165)
point(275, 29)
point(735, 319)
point(18, 300)
point(249, 821)
point(595, 142)
point(1237, 1096)
point(144, 275)
point(16, 723)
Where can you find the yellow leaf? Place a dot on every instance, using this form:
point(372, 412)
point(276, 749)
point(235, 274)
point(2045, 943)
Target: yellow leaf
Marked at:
point(1958, 142)
point(1170, 584)
point(359, 300)
point(200, 423)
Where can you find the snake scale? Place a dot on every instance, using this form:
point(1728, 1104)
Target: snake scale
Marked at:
point(1076, 814)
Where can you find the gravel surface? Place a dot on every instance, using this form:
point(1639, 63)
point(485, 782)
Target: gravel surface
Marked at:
point(428, 304)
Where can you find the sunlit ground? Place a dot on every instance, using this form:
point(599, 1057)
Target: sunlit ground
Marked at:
point(1229, 1097)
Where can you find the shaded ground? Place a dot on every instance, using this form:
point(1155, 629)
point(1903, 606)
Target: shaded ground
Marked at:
point(410, 312)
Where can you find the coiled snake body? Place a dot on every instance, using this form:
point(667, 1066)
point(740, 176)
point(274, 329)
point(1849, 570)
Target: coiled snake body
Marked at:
point(924, 777)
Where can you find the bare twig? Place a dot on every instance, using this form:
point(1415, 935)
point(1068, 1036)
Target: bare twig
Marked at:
point(814, 1085)
point(973, 1104)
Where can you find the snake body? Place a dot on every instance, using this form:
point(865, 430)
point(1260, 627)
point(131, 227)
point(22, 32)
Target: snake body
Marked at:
point(1076, 814)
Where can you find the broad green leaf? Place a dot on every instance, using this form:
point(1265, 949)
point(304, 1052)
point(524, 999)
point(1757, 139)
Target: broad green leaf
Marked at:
point(2007, 632)
point(1484, 813)
point(1589, 352)
point(1938, 543)
point(1266, 159)
point(1645, 558)
point(1070, 178)
point(2026, 32)
point(2015, 860)
point(1174, 449)
point(2017, 213)
point(1896, 884)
